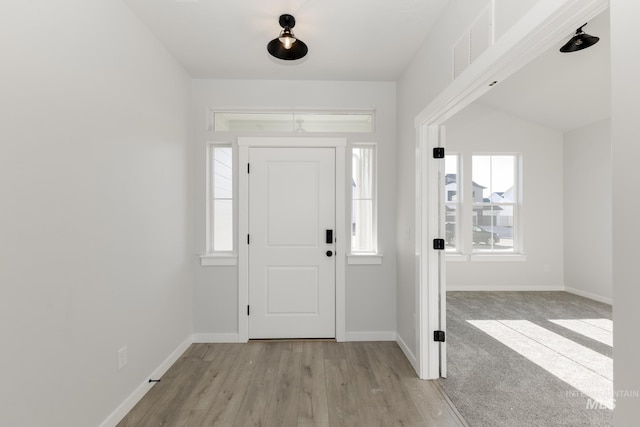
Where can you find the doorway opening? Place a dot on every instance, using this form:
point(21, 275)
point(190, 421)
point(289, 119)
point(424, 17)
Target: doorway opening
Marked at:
point(585, 335)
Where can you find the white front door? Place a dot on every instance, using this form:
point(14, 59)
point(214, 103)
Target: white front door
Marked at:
point(291, 263)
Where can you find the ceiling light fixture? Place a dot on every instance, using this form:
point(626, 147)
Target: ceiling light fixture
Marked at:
point(286, 46)
point(579, 41)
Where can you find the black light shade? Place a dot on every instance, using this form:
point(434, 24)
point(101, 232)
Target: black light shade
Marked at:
point(579, 41)
point(287, 46)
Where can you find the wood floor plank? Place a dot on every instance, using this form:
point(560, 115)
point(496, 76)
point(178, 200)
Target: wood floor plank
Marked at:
point(343, 409)
point(261, 387)
point(431, 404)
point(369, 395)
point(334, 350)
point(169, 407)
point(282, 409)
point(428, 398)
point(298, 346)
point(398, 404)
point(198, 350)
point(213, 350)
point(225, 407)
point(190, 418)
point(205, 391)
point(312, 407)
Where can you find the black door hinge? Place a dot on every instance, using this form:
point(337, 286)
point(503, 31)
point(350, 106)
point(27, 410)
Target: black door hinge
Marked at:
point(438, 336)
point(438, 244)
point(248, 238)
point(248, 310)
point(248, 167)
point(438, 152)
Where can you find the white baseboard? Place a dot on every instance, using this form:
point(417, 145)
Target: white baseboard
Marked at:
point(131, 401)
point(215, 338)
point(371, 336)
point(589, 295)
point(408, 353)
point(491, 288)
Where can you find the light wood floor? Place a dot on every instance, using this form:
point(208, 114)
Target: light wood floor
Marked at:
point(293, 383)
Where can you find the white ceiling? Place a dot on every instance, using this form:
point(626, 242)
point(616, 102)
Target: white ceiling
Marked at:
point(369, 40)
point(563, 91)
point(347, 39)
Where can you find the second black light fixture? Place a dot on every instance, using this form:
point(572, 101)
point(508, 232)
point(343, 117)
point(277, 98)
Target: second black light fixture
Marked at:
point(579, 41)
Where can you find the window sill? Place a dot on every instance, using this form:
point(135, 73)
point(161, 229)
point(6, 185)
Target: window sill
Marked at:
point(364, 259)
point(486, 257)
point(218, 259)
point(498, 257)
point(456, 257)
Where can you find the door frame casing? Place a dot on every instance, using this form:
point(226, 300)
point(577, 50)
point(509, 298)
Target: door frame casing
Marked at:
point(244, 145)
point(541, 28)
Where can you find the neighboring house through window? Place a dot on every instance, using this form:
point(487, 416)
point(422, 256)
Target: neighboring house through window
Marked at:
point(494, 216)
point(452, 201)
point(492, 203)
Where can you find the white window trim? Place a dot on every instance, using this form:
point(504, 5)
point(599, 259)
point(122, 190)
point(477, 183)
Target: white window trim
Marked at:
point(497, 257)
point(366, 257)
point(345, 111)
point(456, 257)
point(212, 257)
point(210, 260)
point(518, 248)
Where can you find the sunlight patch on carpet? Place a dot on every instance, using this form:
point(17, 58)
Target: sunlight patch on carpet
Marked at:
point(582, 368)
point(588, 328)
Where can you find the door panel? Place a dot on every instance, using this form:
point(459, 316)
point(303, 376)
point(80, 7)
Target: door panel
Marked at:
point(293, 205)
point(292, 290)
point(291, 278)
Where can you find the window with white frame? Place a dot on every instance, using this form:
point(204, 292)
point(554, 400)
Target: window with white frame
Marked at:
point(293, 121)
point(495, 195)
point(452, 201)
point(363, 194)
point(220, 198)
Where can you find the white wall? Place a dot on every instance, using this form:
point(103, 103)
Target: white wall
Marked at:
point(95, 220)
point(625, 68)
point(507, 12)
point(587, 211)
point(429, 74)
point(480, 129)
point(370, 299)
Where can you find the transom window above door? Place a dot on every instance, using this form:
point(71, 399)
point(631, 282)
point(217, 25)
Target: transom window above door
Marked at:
point(294, 122)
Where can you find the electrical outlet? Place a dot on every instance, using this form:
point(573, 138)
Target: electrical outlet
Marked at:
point(122, 357)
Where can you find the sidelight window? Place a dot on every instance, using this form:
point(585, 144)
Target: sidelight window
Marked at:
point(363, 193)
point(220, 198)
